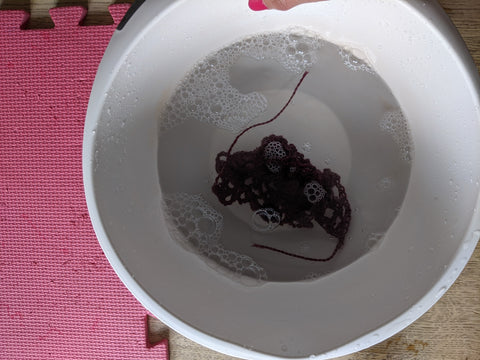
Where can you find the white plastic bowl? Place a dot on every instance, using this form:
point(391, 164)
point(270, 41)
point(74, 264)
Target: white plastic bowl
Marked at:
point(414, 47)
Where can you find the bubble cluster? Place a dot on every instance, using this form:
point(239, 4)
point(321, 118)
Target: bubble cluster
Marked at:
point(395, 124)
point(201, 227)
point(294, 49)
point(354, 63)
point(265, 220)
point(274, 151)
point(314, 192)
point(198, 222)
point(206, 95)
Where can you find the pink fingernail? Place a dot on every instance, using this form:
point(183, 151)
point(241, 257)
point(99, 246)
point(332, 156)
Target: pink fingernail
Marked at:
point(256, 5)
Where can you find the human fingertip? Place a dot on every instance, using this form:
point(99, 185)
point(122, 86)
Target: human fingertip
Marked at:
point(256, 5)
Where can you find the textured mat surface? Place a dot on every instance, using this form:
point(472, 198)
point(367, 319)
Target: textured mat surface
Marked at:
point(59, 297)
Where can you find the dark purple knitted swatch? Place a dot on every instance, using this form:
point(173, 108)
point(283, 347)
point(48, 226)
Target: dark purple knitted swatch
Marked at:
point(277, 178)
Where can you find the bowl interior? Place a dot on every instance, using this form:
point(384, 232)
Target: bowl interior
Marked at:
point(133, 168)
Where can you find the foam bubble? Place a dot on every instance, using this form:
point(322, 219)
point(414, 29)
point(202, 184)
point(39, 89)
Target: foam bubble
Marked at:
point(395, 124)
point(200, 227)
point(206, 95)
point(265, 220)
point(314, 192)
point(354, 63)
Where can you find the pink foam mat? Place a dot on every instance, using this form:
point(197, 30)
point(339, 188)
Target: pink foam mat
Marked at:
point(59, 297)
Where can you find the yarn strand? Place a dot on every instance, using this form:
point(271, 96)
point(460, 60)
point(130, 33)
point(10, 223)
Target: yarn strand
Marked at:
point(272, 119)
point(271, 248)
point(265, 122)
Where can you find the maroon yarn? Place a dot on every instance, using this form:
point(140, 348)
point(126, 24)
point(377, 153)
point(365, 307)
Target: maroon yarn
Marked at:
point(275, 175)
point(272, 119)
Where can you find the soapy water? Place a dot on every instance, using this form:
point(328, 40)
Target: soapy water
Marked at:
point(200, 226)
point(206, 94)
point(395, 124)
point(372, 150)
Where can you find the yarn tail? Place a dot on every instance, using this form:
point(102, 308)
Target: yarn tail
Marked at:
point(332, 255)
